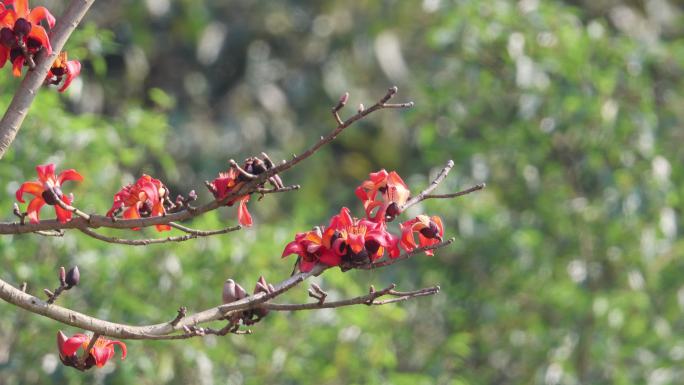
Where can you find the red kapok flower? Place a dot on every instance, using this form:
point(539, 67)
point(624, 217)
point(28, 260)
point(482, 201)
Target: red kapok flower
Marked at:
point(357, 241)
point(21, 33)
point(430, 231)
point(144, 198)
point(101, 352)
point(63, 69)
point(393, 194)
point(47, 191)
point(226, 183)
point(309, 247)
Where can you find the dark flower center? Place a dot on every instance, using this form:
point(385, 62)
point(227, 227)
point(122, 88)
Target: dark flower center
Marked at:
point(431, 231)
point(52, 195)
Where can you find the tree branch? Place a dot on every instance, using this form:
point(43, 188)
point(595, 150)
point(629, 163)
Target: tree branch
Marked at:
point(23, 97)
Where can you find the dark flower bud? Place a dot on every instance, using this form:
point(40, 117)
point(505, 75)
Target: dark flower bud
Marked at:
point(7, 37)
point(73, 277)
point(22, 27)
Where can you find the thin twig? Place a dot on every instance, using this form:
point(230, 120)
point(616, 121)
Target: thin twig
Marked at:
point(435, 182)
point(137, 242)
point(467, 191)
point(368, 299)
point(182, 312)
point(278, 190)
point(204, 233)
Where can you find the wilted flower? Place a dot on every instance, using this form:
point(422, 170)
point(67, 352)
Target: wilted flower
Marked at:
point(101, 352)
point(309, 247)
point(48, 190)
point(226, 183)
point(430, 231)
point(63, 69)
point(144, 198)
point(385, 192)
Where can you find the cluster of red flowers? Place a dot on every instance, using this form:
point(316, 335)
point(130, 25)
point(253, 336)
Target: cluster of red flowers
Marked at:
point(147, 197)
point(349, 241)
point(22, 37)
point(144, 198)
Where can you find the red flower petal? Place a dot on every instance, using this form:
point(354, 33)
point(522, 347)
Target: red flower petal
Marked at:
point(33, 188)
point(39, 13)
point(69, 174)
point(63, 216)
point(17, 65)
point(306, 266)
point(120, 345)
point(101, 354)
point(72, 344)
point(244, 218)
point(329, 258)
point(73, 70)
point(33, 209)
point(39, 33)
point(45, 172)
point(292, 248)
point(20, 6)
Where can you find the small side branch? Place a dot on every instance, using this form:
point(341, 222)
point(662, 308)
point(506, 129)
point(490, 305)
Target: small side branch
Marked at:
point(433, 185)
point(369, 299)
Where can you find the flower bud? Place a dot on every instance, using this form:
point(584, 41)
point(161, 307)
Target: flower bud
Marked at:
point(62, 276)
point(73, 277)
point(232, 291)
point(22, 27)
point(261, 286)
point(7, 37)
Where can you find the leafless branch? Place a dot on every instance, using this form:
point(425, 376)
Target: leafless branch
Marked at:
point(467, 191)
point(152, 241)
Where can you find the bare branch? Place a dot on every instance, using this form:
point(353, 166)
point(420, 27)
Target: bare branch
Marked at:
point(204, 233)
point(152, 241)
point(368, 299)
point(433, 185)
point(467, 191)
point(23, 97)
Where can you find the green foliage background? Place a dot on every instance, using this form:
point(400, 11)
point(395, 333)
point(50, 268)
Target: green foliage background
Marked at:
point(565, 270)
